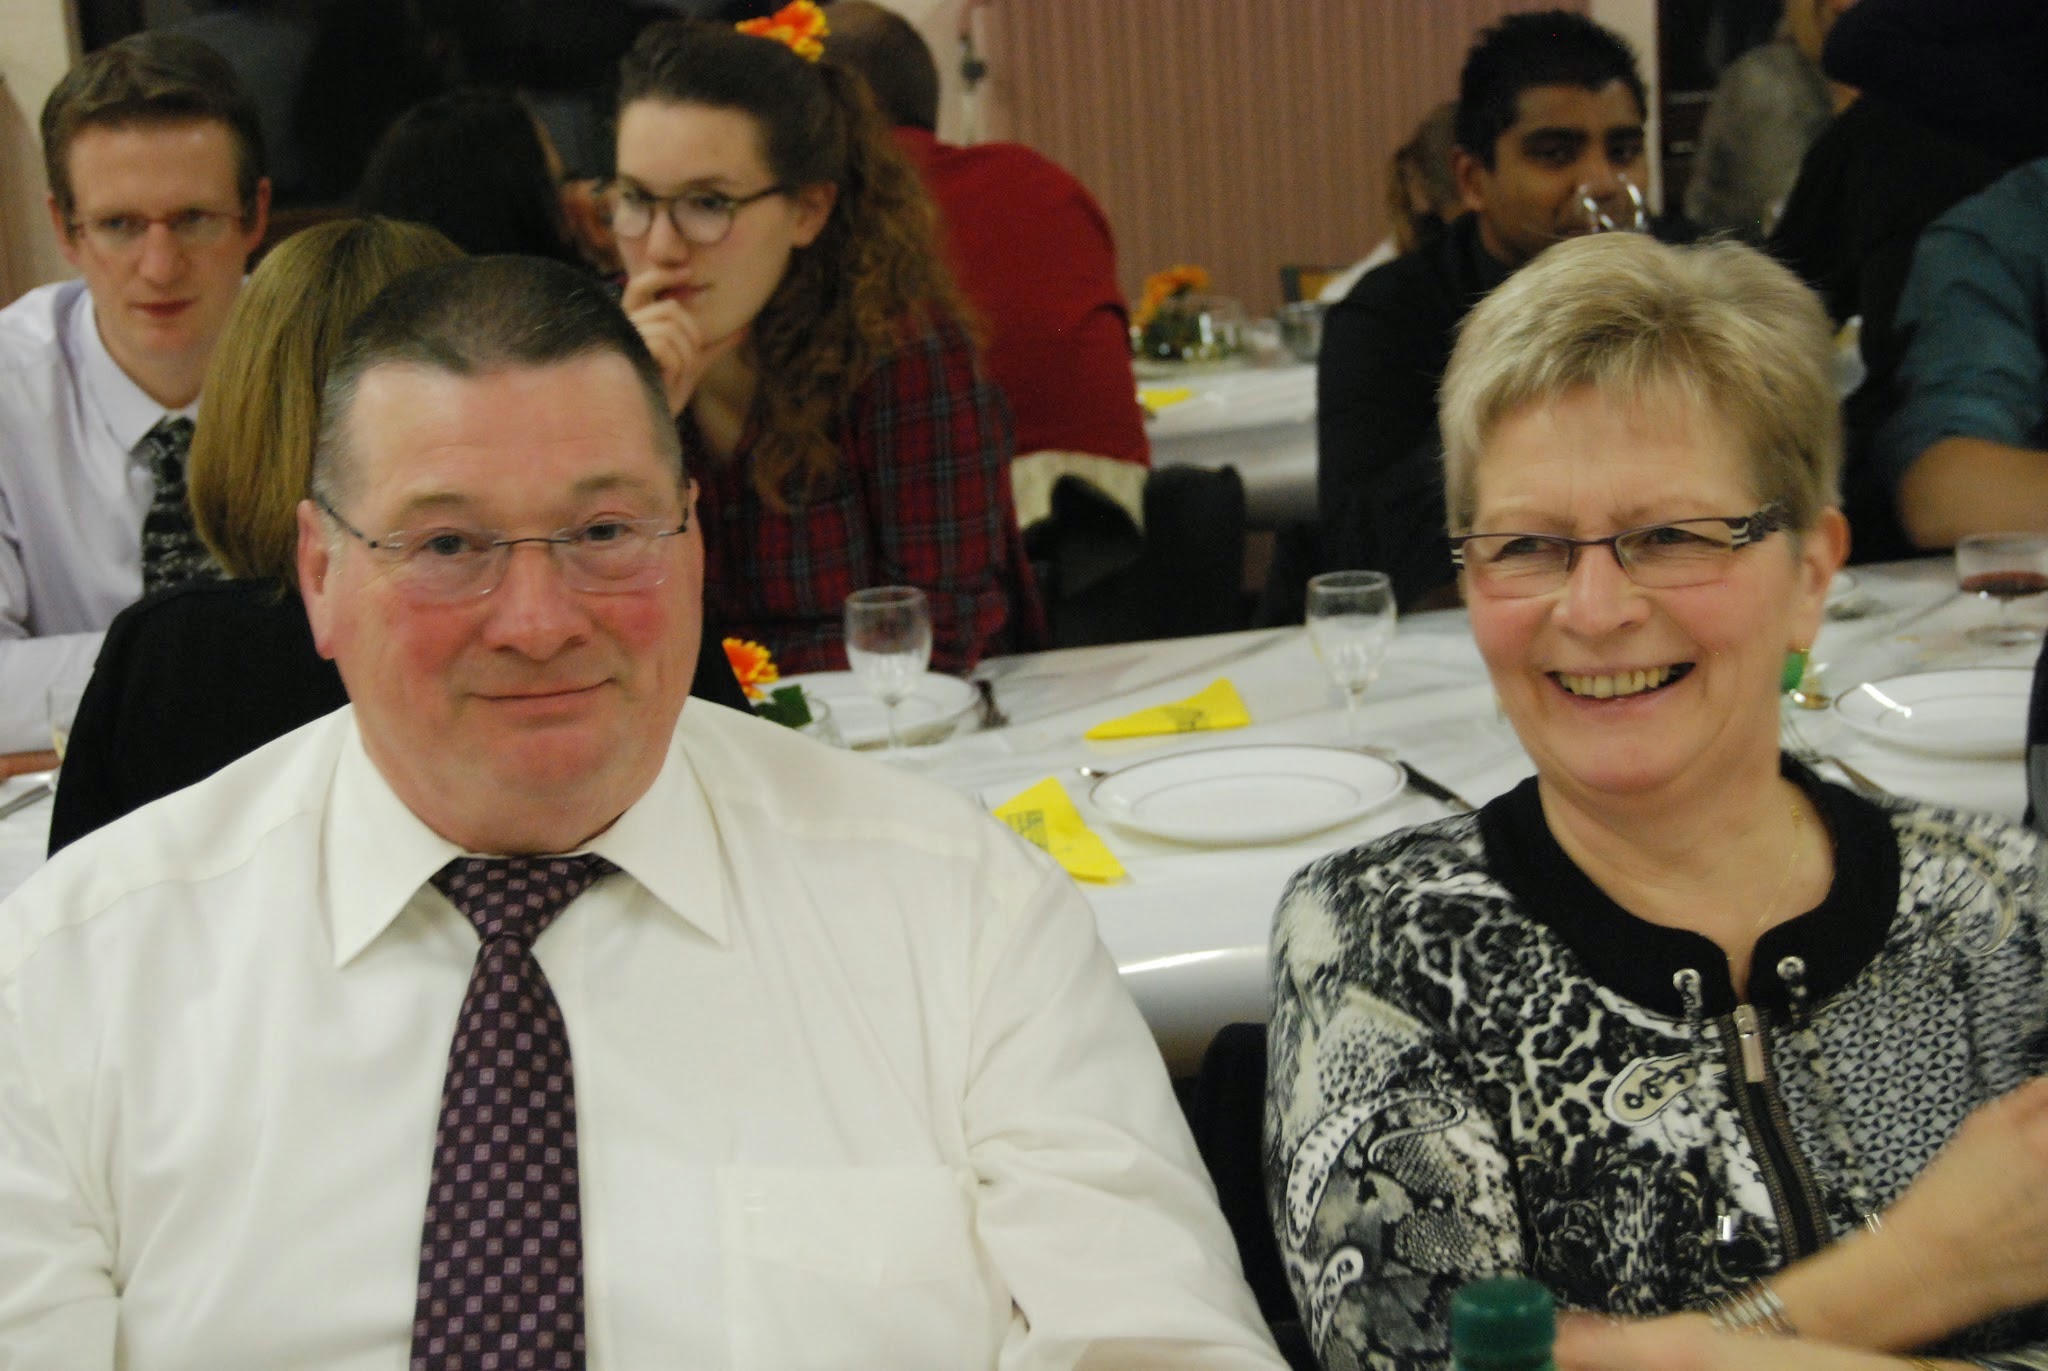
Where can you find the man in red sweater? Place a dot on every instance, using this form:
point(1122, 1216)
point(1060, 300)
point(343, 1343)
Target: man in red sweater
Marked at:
point(1033, 253)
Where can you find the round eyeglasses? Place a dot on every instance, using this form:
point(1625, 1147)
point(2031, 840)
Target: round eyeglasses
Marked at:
point(701, 218)
point(441, 565)
point(1684, 552)
point(192, 228)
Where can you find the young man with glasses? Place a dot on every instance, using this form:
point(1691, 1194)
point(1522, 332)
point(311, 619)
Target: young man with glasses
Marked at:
point(157, 196)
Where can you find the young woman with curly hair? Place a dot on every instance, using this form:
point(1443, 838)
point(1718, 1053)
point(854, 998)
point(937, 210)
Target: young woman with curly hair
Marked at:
point(783, 263)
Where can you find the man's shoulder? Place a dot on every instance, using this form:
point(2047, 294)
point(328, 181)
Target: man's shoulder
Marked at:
point(31, 330)
point(1010, 171)
point(165, 855)
point(779, 778)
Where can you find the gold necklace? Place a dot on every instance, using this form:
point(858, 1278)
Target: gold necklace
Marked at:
point(1797, 813)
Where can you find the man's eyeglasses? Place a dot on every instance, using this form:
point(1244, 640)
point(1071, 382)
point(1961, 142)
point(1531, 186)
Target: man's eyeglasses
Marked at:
point(1684, 552)
point(703, 218)
point(193, 228)
point(602, 557)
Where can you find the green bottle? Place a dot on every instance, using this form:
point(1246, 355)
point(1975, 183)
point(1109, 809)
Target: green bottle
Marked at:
point(1505, 1323)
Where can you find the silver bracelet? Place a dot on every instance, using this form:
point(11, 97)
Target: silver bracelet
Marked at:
point(1755, 1309)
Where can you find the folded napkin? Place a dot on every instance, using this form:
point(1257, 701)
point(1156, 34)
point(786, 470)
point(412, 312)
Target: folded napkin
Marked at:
point(1156, 398)
point(1216, 705)
point(1047, 818)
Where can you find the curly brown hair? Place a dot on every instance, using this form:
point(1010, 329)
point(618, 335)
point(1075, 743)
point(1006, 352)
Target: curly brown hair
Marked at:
point(876, 270)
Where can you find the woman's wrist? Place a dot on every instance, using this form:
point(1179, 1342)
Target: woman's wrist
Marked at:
point(1873, 1290)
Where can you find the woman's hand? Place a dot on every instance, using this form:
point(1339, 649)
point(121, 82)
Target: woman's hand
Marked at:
point(1687, 1342)
point(1975, 1222)
point(673, 335)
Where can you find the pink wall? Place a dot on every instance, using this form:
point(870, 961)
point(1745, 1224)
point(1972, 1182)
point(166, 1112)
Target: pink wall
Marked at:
point(1235, 134)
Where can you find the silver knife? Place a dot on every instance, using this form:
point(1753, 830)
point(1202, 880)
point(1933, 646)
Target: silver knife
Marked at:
point(41, 789)
point(1423, 783)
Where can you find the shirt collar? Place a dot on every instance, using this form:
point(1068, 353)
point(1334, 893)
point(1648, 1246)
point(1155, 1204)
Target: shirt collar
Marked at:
point(124, 407)
point(379, 854)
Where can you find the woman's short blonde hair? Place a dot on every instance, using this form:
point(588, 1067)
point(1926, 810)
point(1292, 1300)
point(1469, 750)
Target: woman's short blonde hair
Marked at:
point(1719, 324)
point(259, 412)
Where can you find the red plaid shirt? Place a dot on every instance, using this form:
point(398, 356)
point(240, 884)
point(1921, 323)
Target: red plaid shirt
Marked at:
point(921, 498)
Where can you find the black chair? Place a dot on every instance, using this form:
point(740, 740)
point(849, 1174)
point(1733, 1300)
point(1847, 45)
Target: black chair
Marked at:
point(1104, 582)
point(1226, 1106)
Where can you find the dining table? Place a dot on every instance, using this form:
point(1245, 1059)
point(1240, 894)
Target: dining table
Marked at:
point(1260, 419)
point(1187, 923)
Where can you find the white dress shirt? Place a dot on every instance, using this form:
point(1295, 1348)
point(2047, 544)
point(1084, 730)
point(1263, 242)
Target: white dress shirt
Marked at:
point(856, 1084)
point(72, 499)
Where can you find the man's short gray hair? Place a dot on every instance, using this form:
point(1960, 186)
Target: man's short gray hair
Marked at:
point(474, 317)
point(1720, 325)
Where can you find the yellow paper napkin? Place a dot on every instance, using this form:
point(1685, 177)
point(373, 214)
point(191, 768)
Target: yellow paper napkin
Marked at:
point(1156, 398)
point(1046, 817)
point(1216, 705)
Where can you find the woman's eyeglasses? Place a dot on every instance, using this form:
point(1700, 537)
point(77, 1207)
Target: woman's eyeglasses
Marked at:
point(1684, 552)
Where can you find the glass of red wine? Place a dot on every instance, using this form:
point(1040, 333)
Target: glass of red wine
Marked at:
point(2005, 567)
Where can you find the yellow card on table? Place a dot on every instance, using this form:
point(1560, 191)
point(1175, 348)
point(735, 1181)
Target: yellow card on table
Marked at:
point(1156, 398)
point(1217, 705)
point(1045, 817)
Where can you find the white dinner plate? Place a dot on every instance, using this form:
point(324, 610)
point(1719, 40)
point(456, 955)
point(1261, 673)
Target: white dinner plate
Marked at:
point(1979, 712)
point(1258, 793)
point(929, 714)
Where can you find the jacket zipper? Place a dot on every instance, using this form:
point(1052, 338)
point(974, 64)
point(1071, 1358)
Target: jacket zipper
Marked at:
point(1764, 1119)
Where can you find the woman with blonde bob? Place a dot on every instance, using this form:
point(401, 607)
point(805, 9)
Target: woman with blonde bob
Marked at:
point(783, 264)
point(1675, 1025)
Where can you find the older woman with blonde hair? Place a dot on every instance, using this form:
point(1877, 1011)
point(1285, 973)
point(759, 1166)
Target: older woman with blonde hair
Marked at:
point(1675, 1025)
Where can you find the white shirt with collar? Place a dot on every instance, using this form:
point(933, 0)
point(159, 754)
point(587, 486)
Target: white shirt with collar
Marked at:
point(856, 1083)
point(72, 499)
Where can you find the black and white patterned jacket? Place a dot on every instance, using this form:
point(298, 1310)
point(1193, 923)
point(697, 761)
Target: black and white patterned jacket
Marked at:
point(1480, 1063)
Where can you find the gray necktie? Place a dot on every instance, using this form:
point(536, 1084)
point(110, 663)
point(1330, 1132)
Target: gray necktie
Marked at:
point(172, 554)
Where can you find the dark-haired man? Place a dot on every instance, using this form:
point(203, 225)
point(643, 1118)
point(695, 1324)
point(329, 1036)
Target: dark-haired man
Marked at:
point(516, 1015)
point(1033, 253)
point(157, 195)
point(1550, 140)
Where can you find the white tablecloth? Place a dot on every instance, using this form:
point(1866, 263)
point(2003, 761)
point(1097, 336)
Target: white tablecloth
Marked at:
point(1189, 925)
point(1261, 420)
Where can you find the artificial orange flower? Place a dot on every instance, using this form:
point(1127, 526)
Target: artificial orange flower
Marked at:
point(797, 26)
point(753, 664)
point(1162, 286)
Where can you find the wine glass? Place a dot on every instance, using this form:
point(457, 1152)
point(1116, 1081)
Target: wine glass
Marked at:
point(2004, 567)
point(888, 644)
point(1620, 209)
point(1351, 623)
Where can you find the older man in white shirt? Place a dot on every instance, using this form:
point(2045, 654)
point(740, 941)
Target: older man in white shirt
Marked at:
point(853, 1083)
point(157, 196)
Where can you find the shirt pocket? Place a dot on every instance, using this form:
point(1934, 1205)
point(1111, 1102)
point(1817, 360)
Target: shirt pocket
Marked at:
point(836, 1267)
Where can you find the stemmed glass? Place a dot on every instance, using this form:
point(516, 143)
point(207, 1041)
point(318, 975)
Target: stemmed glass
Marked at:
point(2005, 567)
point(889, 644)
point(1351, 623)
point(1620, 210)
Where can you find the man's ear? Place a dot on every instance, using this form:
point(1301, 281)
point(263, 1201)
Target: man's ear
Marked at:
point(315, 562)
point(62, 226)
point(1472, 177)
point(258, 222)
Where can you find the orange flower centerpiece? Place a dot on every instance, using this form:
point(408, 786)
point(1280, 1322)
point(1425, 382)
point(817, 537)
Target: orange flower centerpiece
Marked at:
point(1176, 321)
point(755, 667)
point(797, 26)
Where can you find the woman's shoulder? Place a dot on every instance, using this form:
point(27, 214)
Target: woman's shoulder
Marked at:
point(1402, 888)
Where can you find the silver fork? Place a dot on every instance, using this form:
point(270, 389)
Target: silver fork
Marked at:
point(1806, 752)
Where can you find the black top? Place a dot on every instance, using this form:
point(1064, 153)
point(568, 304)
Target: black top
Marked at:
point(1870, 183)
point(192, 679)
point(1977, 72)
point(1379, 461)
point(1637, 959)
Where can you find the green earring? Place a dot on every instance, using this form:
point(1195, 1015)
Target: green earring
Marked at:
point(1794, 674)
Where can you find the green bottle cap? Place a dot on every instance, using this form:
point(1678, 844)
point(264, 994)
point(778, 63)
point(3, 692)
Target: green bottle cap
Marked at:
point(1502, 1324)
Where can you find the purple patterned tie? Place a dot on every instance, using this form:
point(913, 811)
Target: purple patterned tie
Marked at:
point(501, 1259)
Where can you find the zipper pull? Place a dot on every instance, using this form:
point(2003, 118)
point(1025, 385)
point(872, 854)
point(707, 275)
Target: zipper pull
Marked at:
point(1749, 1035)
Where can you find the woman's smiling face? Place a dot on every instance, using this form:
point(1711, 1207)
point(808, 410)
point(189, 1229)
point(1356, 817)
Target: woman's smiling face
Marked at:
point(1614, 689)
